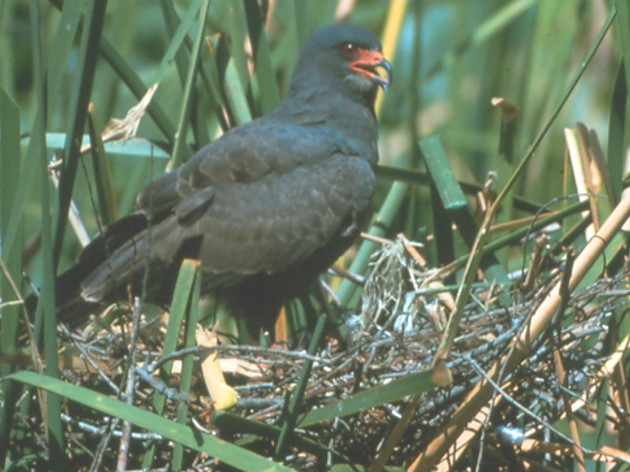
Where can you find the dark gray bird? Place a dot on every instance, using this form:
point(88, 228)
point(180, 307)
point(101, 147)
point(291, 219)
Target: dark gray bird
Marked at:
point(266, 207)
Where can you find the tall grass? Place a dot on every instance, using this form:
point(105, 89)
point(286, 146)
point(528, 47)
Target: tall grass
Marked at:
point(221, 63)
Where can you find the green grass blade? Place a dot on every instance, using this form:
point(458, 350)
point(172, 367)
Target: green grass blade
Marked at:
point(188, 361)
point(623, 27)
point(135, 147)
point(10, 169)
point(616, 128)
point(177, 31)
point(505, 162)
point(290, 419)
point(414, 176)
point(269, 94)
point(238, 36)
point(189, 436)
point(33, 151)
point(181, 300)
point(448, 188)
point(393, 391)
point(46, 312)
point(71, 15)
point(181, 297)
point(619, 128)
point(6, 59)
point(235, 95)
point(447, 201)
point(302, 20)
point(106, 197)
point(233, 90)
point(88, 54)
point(9, 178)
point(226, 421)
point(455, 203)
point(182, 127)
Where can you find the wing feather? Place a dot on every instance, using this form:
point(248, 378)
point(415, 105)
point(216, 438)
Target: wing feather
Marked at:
point(260, 199)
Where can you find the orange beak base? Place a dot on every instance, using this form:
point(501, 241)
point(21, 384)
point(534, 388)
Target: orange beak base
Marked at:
point(367, 63)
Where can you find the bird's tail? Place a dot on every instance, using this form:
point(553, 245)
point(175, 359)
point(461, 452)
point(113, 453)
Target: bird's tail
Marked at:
point(72, 309)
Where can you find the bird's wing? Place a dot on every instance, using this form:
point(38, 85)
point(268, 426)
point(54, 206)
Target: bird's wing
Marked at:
point(260, 199)
point(273, 224)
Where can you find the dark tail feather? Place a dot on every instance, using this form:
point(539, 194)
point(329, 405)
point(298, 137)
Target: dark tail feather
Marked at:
point(72, 309)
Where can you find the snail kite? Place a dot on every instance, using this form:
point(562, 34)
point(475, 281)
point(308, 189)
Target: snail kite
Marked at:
point(266, 207)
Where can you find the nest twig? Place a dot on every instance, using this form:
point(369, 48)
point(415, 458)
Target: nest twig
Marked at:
point(399, 336)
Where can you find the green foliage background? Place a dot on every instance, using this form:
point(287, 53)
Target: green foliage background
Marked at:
point(452, 57)
point(466, 52)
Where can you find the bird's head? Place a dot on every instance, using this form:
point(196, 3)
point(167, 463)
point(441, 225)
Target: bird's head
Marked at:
point(343, 57)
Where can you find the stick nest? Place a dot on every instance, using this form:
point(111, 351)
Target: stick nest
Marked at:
point(397, 334)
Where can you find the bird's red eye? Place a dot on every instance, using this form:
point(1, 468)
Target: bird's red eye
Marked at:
point(349, 49)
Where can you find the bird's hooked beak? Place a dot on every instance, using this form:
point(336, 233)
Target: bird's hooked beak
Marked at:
point(366, 64)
